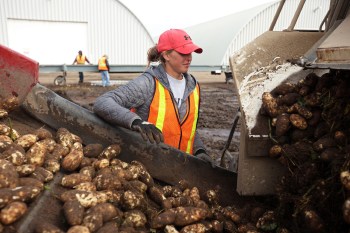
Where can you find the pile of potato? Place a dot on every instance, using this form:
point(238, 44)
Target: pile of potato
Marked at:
point(104, 194)
point(7, 104)
point(310, 131)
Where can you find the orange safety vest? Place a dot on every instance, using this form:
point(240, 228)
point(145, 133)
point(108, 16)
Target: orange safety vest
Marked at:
point(102, 64)
point(164, 115)
point(81, 59)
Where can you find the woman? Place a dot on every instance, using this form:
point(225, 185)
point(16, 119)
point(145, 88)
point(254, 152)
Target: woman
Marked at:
point(162, 103)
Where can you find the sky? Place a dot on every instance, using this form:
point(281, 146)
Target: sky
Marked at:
point(160, 15)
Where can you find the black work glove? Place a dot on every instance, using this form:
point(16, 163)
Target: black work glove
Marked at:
point(148, 131)
point(204, 156)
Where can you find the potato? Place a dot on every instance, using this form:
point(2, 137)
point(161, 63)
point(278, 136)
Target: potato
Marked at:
point(27, 140)
point(312, 222)
point(93, 150)
point(170, 229)
point(49, 143)
point(64, 137)
point(340, 137)
point(167, 190)
point(12, 212)
point(5, 142)
point(126, 174)
point(144, 176)
point(288, 99)
point(48, 176)
point(110, 152)
point(74, 212)
point(329, 154)
point(113, 196)
point(25, 169)
point(345, 179)
point(269, 104)
point(3, 113)
point(132, 200)
point(72, 161)
point(109, 227)
point(156, 195)
point(4, 129)
point(45, 227)
point(16, 155)
point(60, 151)
point(189, 215)
point(305, 90)
point(36, 154)
point(165, 218)
point(88, 170)
point(52, 165)
point(211, 196)
point(25, 193)
point(43, 133)
point(87, 186)
point(74, 179)
point(78, 229)
point(5, 196)
point(284, 88)
point(28, 181)
point(86, 162)
point(323, 143)
point(93, 221)
point(8, 177)
point(134, 218)
point(107, 210)
point(76, 138)
point(298, 121)
point(198, 228)
point(194, 195)
point(100, 163)
point(346, 211)
point(107, 182)
point(10, 103)
point(135, 185)
point(275, 151)
point(86, 198)
point(232, 215)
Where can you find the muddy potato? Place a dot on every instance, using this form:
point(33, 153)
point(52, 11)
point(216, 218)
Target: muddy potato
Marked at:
point(16, 155)
point(111, 152)
point(288, 99)
point(107, 182)
point(76, 138)
point(43, 133)
point(5, 142)
point(211, 196)
point(135, 185)
point(3, 113)
point(134, 218)
point(269, 104)
point(25, 193)
point(113, 196)
point(198, 228)
point(167, 190)
point(10, 103)
point(329, 154)
point(298, 121)
point(45, 227)
point(52, 165)
point(28, 181)
point(72, 161)
point(5, 196)
point(25, 169)
point(78, 229)
point(64, 137)
point(323, 143)
point(48, 175)
point(340, 137)
point(119, 163)
point(232, 214)
point(282, 124)
point(49, 143)
point(12, 212)
point(86, 198)
point(189, 215)
point(93, 221)
point(125, 174)
point(85, 162)
point(100, 163)
point(109, 227)
point(275, 151)
point(180, 201)
point(74, 179)
point(88, 170)
point(345, 179)
point(194, 195)
point(312, 222)
point(87, 186)
point(156, 195)
point(8, 178)
point(107, 210)
point(74, 212)
point(93, 150)
point(36, 154)
point(164, 218)
point(132, 200)
point(27, 140)
point(60, 151)
point(300, 134)
point(346, 211)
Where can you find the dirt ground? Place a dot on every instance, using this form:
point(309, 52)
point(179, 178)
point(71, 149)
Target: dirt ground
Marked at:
point(218, 105)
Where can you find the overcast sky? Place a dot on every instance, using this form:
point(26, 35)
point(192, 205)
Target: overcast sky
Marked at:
point(160, 15)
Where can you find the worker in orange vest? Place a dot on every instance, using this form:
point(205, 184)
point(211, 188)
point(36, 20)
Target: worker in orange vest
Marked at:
point(103, 68)
point(162, 104)
point(80, 59)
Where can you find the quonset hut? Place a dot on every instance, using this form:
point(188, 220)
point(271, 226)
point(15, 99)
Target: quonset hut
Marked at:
point(52, 31)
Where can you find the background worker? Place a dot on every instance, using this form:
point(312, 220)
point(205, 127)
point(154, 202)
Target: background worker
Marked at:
point(80, 59)
point(103, 68)
point(162, 104)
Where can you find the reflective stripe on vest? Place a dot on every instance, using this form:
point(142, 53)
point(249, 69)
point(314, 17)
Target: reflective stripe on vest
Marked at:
point(102, 64)
point(163, 114)
point(81, 59)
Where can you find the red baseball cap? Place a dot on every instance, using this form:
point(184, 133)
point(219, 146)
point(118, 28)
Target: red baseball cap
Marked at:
point(177, 40)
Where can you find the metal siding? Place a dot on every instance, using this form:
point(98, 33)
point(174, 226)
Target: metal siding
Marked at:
point(112, 28)
point(309, 19)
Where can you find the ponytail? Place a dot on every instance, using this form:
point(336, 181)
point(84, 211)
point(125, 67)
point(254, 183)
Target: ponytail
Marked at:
point(154, 56)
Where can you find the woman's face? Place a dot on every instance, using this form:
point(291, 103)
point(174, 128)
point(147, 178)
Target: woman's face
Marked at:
point(177, 63)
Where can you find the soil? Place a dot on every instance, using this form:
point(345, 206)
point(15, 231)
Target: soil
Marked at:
point(218, 105)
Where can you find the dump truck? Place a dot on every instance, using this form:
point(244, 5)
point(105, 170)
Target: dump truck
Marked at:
point(295, 54)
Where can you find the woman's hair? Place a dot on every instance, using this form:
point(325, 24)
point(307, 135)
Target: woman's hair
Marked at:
point(154, 56)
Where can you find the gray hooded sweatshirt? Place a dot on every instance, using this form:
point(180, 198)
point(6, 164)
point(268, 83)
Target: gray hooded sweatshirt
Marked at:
point(114, 106)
